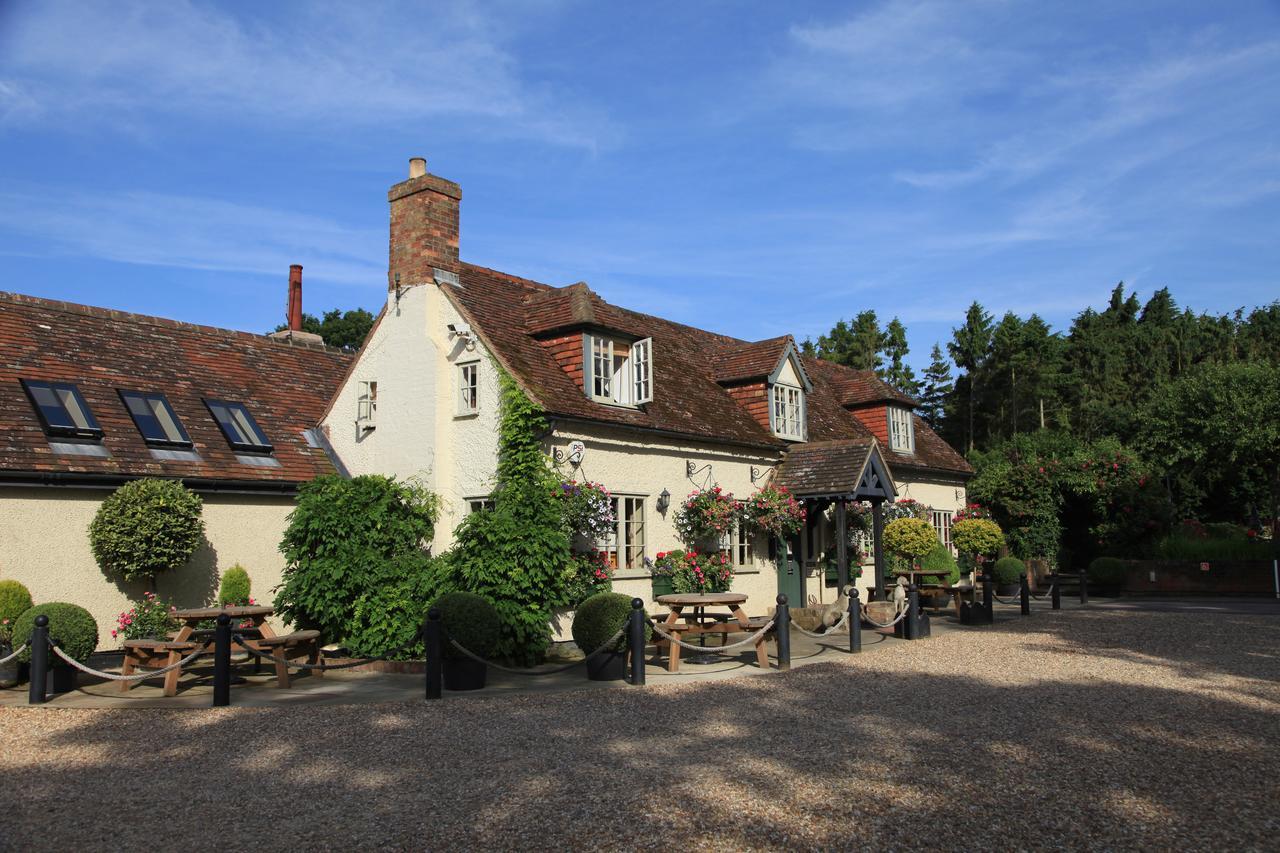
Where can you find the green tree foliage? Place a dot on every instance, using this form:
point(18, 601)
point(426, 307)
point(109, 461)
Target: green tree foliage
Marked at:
point(15, 600)
point(858, 344)
point(936, 388)
point(941, 564)
point(896, 371)
point(599, 618)
point(970, 348)
point(71, 628)
point(1008, 570)
point(910, 538)
point(471, 621)
point(515, 554)
point(342, 329)
point(146, 527)
point(345, 541)
point(977, 536)
point(1216, 432)
point(234, 588)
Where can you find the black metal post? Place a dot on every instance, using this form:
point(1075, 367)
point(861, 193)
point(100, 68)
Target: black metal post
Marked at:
point(39, 661)
point(1055, 592)
point(635, 639)
point(877, 541)
point(433, 639)
point(988, 597)
point(782, 630)
point(855, 622)
point(222, 662)
point(911, 626)
point(1024, 592)
point(1084, 585)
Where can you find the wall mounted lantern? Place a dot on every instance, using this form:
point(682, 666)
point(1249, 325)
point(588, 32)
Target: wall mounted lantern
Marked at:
point(664, 501)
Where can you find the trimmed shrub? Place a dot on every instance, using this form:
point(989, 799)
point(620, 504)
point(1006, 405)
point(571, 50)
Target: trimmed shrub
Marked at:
point(14, 600)
point(1108, 571)
point(599, 618)
point(146, 527)
point(942, 566)
point(71, 627)
point(911, 538)
point(470, 620)
point(234, 588)
point(341, 544)
point(387, 618)
point(1008, 570)
point(980, 536)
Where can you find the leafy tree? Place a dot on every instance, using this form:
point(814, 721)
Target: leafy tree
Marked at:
point(342, 329)
point(970, 348)
point(146, 527)
point(897, 372)
point(936, 388)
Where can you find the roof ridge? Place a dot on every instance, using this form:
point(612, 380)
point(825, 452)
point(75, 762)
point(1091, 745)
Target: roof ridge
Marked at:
point(150, 319)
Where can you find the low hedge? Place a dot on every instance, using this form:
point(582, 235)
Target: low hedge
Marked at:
point(14, 600)
point(469, 619)
point(941, 564)
point(1108, 571)
point(1009, 570)
point(71, 627)
point(599, 618)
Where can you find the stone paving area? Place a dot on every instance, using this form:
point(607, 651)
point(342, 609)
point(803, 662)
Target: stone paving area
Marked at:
point(1102, 728)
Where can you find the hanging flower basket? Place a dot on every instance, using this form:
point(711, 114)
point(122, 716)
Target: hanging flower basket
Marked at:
point(773, 510)
point(588, 510)
point(706, 515)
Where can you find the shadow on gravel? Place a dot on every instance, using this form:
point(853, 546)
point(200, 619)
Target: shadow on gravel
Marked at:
point(832, 756)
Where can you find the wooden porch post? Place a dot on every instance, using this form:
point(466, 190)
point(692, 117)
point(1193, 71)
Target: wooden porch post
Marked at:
point(877, 535)
point(842, 545)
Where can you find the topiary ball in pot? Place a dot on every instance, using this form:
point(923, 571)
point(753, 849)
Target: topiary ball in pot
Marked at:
point(1008, 572)
point(146, 527)
point(472, 622)
point(1108, 571)
point(71, 628)
point(595, 622)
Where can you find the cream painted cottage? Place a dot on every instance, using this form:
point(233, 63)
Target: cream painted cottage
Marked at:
point(650, 408)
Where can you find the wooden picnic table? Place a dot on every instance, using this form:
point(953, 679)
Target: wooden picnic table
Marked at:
point(737, 621)
point(191, 619)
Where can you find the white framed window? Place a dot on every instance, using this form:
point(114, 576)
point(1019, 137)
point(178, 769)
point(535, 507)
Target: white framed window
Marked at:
point(618, 372)
point(367, 404)
point(739, 546)
point(901, 430)
point(942, 526)
point(469, 388)
point(480, 504)
point(624, 548)
point(788, 412)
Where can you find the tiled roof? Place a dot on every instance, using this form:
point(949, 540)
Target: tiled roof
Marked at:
point(511, 314)
point(863, 387)
point(824, 467)
point(285, 386)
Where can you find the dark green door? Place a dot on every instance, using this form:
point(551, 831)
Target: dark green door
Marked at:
point(790, 577)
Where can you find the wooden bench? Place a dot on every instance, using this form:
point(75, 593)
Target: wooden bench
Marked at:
point(299, 644)
point(154, 654)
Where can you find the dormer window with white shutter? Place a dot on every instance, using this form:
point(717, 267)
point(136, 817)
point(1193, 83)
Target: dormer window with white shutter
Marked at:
point(367, 404)
point(902, 436)
point(617, 371)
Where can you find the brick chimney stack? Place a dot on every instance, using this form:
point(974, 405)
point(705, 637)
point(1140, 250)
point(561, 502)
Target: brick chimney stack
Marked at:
point(424, 227)
point(295, 298)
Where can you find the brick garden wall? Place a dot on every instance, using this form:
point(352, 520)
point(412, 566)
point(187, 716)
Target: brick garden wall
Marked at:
point(1223, 577)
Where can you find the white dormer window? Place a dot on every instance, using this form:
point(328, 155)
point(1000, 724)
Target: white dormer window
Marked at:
point(901, 430)
point(615, 371)
point(367, 404)
point(788, 413)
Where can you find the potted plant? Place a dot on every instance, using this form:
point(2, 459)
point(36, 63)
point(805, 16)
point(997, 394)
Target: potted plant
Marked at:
point(660, 570)
point(693, 572)
point(72, 629)
point(706, 516)
point(1008, 571)
point(14, 601)
point(148, 619)
point(597, 620)
point(472, 622)
point(774, 511)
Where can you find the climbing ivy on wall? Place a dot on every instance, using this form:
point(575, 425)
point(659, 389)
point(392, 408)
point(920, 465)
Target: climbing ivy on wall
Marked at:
point(517, 554)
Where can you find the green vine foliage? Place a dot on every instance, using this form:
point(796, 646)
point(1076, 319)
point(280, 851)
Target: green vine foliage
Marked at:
point(515, 554)
point(146, 527)
point(344, 542)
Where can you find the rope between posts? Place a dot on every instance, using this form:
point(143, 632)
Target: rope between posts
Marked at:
point(876, 624)
point(137, 676)
point(751, 640)
point(1048, 592)
point(1017, 600)
point(608, 644)
point(240, 641)
point(844, 620)
point(14, 655)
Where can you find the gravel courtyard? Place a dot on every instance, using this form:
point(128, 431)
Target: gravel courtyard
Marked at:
point(1084, 729)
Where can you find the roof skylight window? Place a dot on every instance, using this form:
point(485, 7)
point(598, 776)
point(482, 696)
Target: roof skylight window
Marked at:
point(238, 426)
point(155, 419)
point(62, 410)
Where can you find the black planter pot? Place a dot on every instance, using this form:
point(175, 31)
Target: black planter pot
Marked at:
point(60, 679)
point(10, 675)
point(608, 667)
point(464, 674)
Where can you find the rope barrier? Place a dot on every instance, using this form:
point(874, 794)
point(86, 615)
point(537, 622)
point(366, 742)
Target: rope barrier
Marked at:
point(137, 676)
point(240, 641)
point(608, 644)
point(14, 655)
point(751, 639)
point(1047, 593)
point(844, 620)
point(901, 616)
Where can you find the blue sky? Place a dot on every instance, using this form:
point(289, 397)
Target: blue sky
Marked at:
point(754, 168)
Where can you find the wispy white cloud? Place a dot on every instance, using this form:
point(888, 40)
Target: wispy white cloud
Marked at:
point(185, 232)
point(315, 63)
